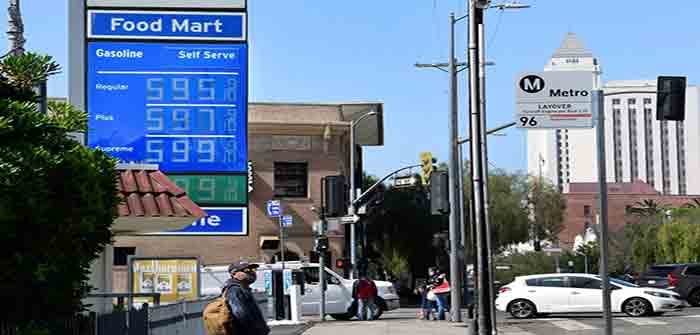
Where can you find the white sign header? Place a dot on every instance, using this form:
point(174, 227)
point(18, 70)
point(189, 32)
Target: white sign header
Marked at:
point(194, 4)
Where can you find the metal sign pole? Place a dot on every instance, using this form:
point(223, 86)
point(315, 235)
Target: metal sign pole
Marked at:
point(322, 282)
point(599, 110)
point(281, 223)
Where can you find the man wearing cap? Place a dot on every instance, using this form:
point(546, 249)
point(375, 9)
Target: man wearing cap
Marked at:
point(247, 318)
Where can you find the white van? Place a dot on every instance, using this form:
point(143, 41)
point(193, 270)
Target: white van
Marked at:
point(338, 295)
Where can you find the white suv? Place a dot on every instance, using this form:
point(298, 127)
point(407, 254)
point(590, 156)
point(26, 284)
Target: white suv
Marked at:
point(529, 296)
point(338, 294)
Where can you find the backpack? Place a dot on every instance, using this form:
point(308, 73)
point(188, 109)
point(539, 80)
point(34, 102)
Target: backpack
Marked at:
point(217, 317)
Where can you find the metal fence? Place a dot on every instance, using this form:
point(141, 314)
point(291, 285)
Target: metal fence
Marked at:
point(182, 318)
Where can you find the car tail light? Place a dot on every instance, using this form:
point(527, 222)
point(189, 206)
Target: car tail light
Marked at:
point(672, 280)
point(503, 290)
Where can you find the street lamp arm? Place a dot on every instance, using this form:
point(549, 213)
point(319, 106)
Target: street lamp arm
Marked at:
point(355, 122)
point(489, 132)
point(371, 188)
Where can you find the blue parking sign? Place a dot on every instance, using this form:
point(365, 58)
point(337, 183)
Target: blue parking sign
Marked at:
point(273, 208)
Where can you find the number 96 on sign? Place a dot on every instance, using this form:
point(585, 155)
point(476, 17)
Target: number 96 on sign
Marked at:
point(527, 121)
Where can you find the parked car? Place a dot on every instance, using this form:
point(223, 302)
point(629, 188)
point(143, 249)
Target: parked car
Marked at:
point(686, 281)
point(339, 301)
point(528, 296)
point(657, 275)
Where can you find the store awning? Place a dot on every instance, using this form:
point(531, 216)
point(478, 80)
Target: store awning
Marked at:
point(151, 202)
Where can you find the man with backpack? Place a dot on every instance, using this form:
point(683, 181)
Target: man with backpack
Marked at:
point(236, 311)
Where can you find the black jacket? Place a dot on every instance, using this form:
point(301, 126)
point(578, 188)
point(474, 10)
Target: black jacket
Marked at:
point(247, 317)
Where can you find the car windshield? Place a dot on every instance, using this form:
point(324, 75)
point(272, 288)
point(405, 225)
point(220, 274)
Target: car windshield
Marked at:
point(661, 271)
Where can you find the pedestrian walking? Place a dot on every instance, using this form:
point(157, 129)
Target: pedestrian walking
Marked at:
point(247, 317)
point(426, 304)
point(439, 286)
point(366, 293)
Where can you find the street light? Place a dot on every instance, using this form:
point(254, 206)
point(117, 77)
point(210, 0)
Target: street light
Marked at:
point(351, 208)
point(512, 5)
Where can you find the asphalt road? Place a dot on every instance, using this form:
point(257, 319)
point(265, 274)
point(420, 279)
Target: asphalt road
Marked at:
point(404, 321)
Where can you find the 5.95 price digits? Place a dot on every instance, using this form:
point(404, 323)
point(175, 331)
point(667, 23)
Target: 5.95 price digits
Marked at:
point(528, 121)
point(192, 89)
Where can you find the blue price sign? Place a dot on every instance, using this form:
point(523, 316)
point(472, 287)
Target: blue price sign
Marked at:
point(181, 106)
point(116, 24)
point(221, 221)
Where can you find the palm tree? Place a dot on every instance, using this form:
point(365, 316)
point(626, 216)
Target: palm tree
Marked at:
point(693, 204)
point(647, 208)
point(15, 28)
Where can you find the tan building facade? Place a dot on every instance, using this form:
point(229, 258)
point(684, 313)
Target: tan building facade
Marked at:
point(291, 147)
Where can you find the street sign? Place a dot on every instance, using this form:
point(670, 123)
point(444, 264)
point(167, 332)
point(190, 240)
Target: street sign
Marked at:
point(554, 99)
point(349, 219)
point(286, 221)
point(274, 208)
point(405, 181)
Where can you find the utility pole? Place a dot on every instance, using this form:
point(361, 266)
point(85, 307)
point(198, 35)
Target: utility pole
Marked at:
point(15, 28)
point(455, 270)
point(485, 165)
point(479, 178)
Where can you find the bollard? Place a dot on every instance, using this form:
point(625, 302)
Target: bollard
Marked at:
point(471, 326)
point(295, 302)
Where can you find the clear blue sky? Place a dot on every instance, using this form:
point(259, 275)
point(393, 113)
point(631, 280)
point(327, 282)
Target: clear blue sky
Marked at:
point(319, 50)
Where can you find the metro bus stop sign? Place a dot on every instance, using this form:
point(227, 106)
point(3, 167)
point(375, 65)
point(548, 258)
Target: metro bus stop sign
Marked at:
point(554, 99)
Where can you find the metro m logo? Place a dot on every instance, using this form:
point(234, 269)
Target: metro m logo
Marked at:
point(532, 84)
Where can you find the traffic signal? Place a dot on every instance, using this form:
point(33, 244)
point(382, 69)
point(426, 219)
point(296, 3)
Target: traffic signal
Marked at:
point(321, 244)
point(335, 196)
point(426, 162)
point(342, 263)
point(670, 98)
point(439, 193)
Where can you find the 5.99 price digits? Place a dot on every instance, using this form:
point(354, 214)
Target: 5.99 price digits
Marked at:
point(181, 150)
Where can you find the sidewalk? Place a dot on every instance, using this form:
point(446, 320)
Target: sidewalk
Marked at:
point(395, 323)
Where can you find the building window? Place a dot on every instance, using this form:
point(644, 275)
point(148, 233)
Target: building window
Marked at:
point(665, 163)
point(617, 144)
point(631, 101)
point(647, 101)
point(616, 101)
point(587, 211)
point(121, 255)
point(680, 143)
point(291, 180)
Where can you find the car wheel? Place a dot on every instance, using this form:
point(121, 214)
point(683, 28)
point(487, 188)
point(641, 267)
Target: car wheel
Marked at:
point(694, 298)
point(522, 309)
point(342, 317)
point(636, 307)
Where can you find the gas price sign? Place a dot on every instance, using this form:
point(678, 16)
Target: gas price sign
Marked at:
point(181, 106)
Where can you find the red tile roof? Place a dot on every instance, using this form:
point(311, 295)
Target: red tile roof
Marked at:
point(149, 193)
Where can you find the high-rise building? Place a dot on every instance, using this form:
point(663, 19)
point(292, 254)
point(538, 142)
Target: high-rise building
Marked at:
point(638, 147)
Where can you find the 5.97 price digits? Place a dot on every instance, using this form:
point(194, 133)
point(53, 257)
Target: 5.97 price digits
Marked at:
point(192, 89)
point(528, 121)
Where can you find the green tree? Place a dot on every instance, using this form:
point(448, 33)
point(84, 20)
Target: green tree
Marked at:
point(508, 212)
point(57, 200)
point(549, 207)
